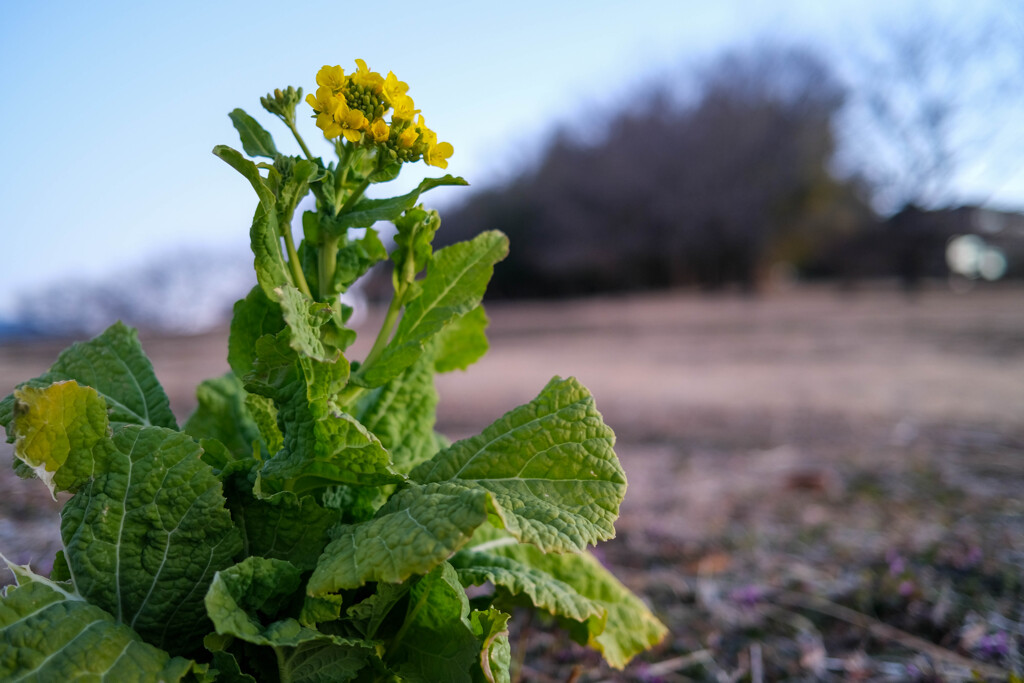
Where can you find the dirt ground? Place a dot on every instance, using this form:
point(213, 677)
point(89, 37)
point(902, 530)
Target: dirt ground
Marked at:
point(822, 485)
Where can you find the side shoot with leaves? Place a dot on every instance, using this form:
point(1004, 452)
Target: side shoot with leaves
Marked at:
point(307, 523)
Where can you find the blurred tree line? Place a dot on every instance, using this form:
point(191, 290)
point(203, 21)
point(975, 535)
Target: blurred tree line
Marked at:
point(723, 187)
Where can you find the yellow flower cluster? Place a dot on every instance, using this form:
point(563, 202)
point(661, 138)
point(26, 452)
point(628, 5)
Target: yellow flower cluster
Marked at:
point(355, 106)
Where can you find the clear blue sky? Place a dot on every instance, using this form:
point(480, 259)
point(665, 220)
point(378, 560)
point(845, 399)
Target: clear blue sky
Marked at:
point(110, 109)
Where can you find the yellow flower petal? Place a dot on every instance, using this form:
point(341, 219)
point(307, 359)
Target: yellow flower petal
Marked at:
point(332, 77)
point(379, 130)
point(437, 155)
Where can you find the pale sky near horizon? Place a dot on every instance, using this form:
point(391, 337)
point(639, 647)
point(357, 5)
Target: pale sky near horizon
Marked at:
point(111, 108)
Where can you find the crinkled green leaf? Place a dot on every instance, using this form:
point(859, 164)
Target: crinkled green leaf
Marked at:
point(255, 316)
point(271, 270)
point(325, 447)
point(148, 531)
point(462, 342)
point(317, 609)
point(256, 141)
point(491, 627)
point(550, 466)
point(55, 431)
point(355, 257)
point(297, 174)
point(50, 633)
point(304, 318)
point(415, 531)
point(115, 366)
point(624, 627)
point(222, 414)
point(239, 592)
point(325, 661)
point(366, 212)
point(477, 567)
point(438, 642)
point(402, 414)
point(454, 285)
point(264, 414)
point(282, 526)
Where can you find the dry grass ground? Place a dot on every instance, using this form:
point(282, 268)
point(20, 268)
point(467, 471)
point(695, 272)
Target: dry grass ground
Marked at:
point(822, 486)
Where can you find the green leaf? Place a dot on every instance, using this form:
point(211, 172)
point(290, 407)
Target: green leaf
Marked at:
point(550, 466)
point(305, 318)
point(255, 140)
point(437, 641)
point(255, 584)
point(402, 414)
point(491, 627)
point(415, 531)
point(389, 172)
point(148, 531)
point(324, 661)
point(463, 342)
point(355, 258)
point(55, 431)
point(271, 270)
point(298, 174)
point(369, 614)
point(255, 316)
point(115, 366)
point(264, 414)
point(250, 172)
point(323, 447)
point(456, 279)
point(623, 628)
point(222, 414)
point(261, 586)
point(366, 212)
point(477, 567)
point(282, 526)
point(51, 633)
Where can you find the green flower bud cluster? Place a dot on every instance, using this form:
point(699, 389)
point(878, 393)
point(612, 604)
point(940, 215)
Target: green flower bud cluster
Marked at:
point(282, 103)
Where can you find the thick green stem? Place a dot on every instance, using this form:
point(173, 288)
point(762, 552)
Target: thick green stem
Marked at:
point(384, 336)
point(293, 261)
point(327, 261)
point(284, 674)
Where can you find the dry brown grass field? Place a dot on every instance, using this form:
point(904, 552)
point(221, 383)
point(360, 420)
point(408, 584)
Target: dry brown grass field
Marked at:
point(822, 485)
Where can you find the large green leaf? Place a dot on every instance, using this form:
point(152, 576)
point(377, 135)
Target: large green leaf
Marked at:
point(415, 531)
point(114, 365)
point(550, 466)
point(438, 642)
point(454, 285)
point(281, 525)
point(56, 430)
point(477, 567)
point(48, 632)
point(256, 141)
point(623, 626)
point(402, 414)
point(222, 414)
point(462, 342)
point(148, 531)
